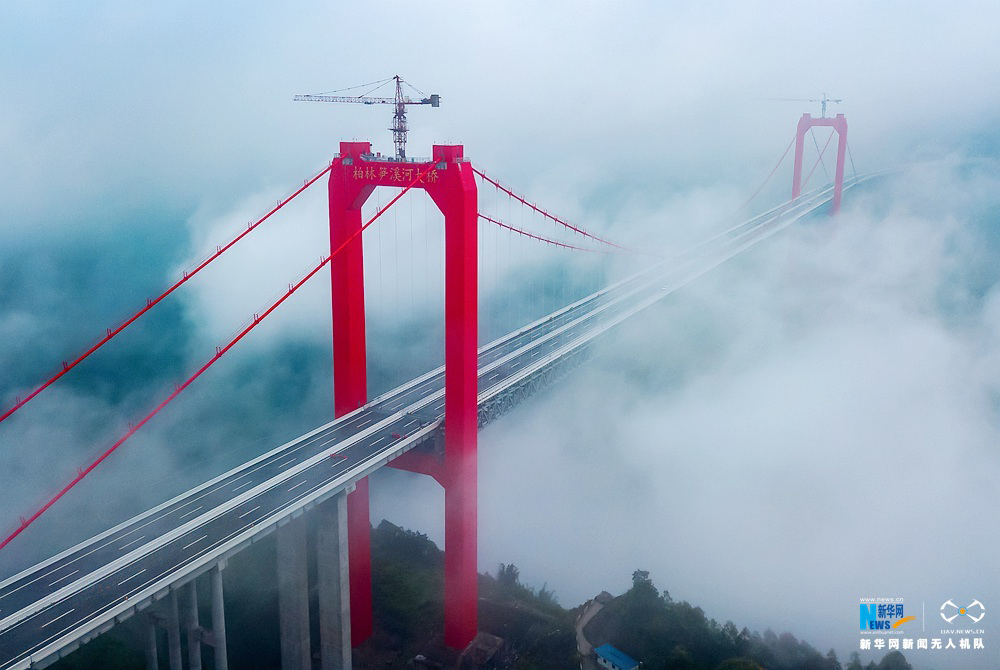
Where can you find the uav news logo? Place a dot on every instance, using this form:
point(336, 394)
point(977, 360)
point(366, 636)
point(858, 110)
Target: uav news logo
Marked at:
point(975, 611)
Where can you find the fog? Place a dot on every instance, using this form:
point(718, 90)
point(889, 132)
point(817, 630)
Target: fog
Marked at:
point(814, 422)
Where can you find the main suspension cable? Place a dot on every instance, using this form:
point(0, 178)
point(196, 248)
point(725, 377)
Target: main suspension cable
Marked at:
point(110, 333)
point(812, 131)
point(766, 179)
point(818, 160)
point(552, 217)
point(219, 353)
point(547, 240)
point(853, 169)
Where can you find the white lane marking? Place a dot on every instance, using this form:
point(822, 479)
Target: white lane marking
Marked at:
point(58, 617)
point(494, 375)
point(304, 481)
point(377, 441)
point(251, 511)
point(132, 577)
point(64, 577)
point(189, 513)
point(243, 486)
point(194, 543)
point(365, 423)
point(324, 445)
point(125, 546)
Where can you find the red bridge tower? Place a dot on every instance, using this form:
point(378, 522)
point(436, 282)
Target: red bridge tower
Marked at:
point(452, 186)
point(839, 123)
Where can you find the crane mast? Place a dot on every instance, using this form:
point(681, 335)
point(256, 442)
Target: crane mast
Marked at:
point(399, 121)
point(823, 102)
point(399, 103)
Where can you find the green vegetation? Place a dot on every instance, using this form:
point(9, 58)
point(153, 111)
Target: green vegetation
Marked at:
point(539, 634)
point(894, 660)
point(407, 590)
point(663, 634)
point(107, 651)
point(408, 576)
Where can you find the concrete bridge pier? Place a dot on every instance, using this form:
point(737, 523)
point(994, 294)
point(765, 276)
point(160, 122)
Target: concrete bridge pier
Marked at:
point(332, 585)
point(293, 595)
point(218, 619)
point(152, 662)
point(193, 629)
point(196, 634)
point(173, 633)
point(333, 577)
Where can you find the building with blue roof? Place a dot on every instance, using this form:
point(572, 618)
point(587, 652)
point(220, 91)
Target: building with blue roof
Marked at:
point(613, 659)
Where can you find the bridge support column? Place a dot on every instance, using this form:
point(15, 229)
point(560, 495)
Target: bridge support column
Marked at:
point(193, 628)
point(293, 596)
point(152, 661)
point(173, 633)
point(218, 620)
point(333, 579)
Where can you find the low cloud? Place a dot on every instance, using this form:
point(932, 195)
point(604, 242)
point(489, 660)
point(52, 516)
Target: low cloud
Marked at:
point(813, 423)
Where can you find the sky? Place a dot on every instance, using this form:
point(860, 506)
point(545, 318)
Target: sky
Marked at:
point(813, 423)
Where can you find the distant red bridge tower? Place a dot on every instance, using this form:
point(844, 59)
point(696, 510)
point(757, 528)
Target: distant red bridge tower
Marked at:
point(839, 124)
point(451, 184)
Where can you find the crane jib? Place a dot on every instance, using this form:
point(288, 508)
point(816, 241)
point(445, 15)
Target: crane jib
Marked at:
point(433, 101)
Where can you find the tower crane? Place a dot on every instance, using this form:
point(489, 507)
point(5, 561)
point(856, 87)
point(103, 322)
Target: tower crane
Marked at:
point(823, 101)
point(400, 102)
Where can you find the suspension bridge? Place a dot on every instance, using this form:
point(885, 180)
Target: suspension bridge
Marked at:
point(152, 565)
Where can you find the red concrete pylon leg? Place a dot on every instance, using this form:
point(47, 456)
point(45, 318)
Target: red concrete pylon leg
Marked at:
point(838, 178)
point(455, 194)
point(350, 377)
point(359, 557)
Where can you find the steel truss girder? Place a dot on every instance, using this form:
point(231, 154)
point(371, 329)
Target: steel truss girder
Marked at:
point(512, 396)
